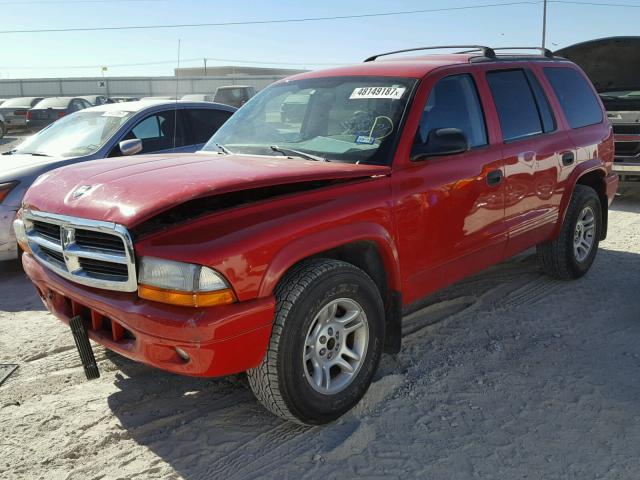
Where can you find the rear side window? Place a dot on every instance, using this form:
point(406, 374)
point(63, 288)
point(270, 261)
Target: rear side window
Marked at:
point(515, 103)
point(546, 114)
point(575, 95)
point(454, 103)
point(205, 122)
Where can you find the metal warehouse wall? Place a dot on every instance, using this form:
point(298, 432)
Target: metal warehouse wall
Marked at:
point(134, 86)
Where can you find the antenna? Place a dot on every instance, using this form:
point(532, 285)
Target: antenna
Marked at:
point(175, 111)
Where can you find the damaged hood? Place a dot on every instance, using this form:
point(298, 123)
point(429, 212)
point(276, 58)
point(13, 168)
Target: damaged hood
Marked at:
point(131, 190)
point(612, 64)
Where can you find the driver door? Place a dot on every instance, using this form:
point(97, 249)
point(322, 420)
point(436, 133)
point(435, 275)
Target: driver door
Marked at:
point(450, 208)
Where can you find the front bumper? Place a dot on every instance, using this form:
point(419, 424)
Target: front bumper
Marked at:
point(626, 168)
point(219, 340)
point(8, 245)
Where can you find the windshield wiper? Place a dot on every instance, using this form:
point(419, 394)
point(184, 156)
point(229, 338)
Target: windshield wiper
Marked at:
point(308, 156)
point(10, 152)
point(36, 154)
point(224, 149)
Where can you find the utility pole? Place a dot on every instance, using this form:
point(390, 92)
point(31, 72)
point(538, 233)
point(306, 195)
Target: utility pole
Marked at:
point(205, 67)
point(544, 24)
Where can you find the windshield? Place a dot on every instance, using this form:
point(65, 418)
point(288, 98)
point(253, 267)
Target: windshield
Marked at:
point(79, 134)
point(347, 119)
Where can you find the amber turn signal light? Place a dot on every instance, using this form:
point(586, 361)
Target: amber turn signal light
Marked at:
point(187, 299)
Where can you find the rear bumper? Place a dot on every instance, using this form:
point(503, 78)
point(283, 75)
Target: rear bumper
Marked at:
point(219, 340)
point(38, 124)
point(16, 122)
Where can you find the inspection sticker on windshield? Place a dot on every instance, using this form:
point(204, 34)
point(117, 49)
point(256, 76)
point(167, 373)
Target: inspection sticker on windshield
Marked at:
point(365, 139)
point(115, 114)
point(393, 93)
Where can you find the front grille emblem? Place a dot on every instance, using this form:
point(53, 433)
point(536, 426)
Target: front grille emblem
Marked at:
point(90, 252)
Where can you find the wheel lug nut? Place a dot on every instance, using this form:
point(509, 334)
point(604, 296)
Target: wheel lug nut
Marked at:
point(337, 335)
point(323, 351)
point(330, 331)
point(323, 339)
point(329, 356)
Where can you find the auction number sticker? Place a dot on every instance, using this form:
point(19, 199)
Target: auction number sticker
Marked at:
point(393, 93)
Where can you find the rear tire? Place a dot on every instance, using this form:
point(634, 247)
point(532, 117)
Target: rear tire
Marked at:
point(326, 312)
point(570, 255)
point(3, 130)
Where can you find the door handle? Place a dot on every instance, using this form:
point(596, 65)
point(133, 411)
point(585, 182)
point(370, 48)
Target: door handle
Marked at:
point(568, 158)
point(494, 177)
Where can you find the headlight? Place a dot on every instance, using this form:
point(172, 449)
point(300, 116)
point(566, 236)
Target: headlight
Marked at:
point(21, 234)
point(5, 189)
point(181, 283)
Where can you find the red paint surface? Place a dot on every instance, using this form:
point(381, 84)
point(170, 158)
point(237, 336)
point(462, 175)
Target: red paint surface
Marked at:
point(433, 222)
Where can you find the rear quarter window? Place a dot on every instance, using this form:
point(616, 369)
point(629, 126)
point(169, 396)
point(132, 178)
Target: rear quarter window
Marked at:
point(579, 103)
point(205, 122)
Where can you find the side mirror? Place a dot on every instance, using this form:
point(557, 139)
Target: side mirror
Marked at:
point(440, 141)
point(130, 147)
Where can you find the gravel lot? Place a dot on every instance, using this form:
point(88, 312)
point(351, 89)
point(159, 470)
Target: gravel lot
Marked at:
point(11, 140)
point(505, 375)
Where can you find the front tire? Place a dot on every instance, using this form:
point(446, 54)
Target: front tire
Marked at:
point(325, 345)
point(570, 256)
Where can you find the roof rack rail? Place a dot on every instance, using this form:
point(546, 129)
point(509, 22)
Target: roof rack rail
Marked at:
point(543, 51)
point(486, 51)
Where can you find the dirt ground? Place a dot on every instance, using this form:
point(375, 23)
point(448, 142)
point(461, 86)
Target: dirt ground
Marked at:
point(507, 375)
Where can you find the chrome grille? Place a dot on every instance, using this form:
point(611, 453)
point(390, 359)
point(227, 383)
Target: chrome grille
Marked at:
point(93, 253)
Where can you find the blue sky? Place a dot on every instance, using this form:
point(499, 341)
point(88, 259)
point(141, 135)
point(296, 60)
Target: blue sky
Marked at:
point(309, 45)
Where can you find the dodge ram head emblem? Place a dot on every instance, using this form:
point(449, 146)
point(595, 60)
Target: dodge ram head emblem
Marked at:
point(81, 191)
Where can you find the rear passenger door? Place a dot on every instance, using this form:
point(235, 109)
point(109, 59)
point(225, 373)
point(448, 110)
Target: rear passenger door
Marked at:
point(202, 124)
point(533, 147)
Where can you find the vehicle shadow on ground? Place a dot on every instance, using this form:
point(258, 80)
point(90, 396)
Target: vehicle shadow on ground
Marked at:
point(216, 429)
point(17, 293)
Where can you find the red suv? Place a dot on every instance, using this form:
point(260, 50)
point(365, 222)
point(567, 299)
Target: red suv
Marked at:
point(292, 245)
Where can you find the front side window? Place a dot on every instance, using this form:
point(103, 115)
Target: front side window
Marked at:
point(82, 133)
point(515, 103)
point(454, 103)
point(575, 95)
point(346, 119)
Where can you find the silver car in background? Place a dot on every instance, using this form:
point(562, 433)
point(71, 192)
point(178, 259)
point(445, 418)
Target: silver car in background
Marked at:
point(110, 130)
point(14, 111)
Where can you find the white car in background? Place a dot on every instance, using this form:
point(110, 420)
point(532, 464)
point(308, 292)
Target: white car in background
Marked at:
point(111, 130)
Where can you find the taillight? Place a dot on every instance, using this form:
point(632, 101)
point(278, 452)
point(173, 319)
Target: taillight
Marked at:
point(5, 189)
point(22, 113)
point(29, 115)
point(61, 114)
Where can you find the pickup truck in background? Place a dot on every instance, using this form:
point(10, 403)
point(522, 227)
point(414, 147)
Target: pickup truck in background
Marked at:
point(324, 209)
point(613, 65)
